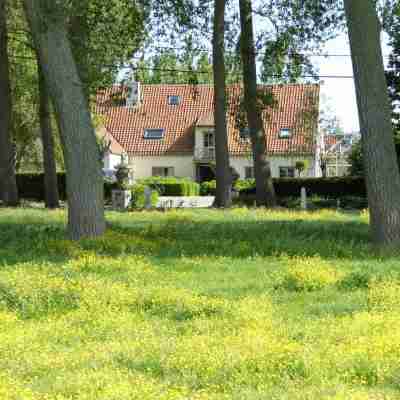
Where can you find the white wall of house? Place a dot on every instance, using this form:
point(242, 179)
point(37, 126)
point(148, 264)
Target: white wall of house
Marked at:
point(143, 166)
point(240, 164)
point(111, 161)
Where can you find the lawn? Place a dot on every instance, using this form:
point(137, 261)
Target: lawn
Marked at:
point(202, 305)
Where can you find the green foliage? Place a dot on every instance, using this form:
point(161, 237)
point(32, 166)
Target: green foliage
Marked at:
point(393, 70)
point(139, 199)
point(165, 66)
point(333, 188)
point(301, 166)
point(31, 186)
point(172, 186)
point(208, 188)
point(104, 35)
point(356, 162)
point(122, 175)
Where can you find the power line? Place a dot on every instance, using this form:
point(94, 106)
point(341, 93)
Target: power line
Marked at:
point(195, 72)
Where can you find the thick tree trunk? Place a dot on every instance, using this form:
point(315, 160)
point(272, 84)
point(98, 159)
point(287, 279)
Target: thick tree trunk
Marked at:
point(49, 163)
point(78, 33)
point(8, 185)
point(265, 193)
point(223, 174)
point(382, 173)
point(81, 154)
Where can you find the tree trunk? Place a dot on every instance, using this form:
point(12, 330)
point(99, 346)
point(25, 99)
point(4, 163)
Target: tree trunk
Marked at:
point(78, 32)
point(49, 164)
point(7, 165)
point(81, 154)
point(381, 169)
point(223, 174)
point(265, 193)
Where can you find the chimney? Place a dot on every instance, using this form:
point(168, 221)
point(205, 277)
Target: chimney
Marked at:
point(133, 98)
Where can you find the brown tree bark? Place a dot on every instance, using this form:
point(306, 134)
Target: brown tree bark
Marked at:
point(49, 163)
point(381, 169)
point(265, 193)
point(223, 174)
point(8, 184)
point(81, 154)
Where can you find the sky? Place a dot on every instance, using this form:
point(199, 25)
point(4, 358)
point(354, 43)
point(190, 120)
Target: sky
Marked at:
point(339, 94)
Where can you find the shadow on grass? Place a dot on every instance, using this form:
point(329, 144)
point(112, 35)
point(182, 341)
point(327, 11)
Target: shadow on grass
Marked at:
point(243, 239)
point(145, 234)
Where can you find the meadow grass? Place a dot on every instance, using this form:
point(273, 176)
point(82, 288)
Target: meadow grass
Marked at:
point(201, 304)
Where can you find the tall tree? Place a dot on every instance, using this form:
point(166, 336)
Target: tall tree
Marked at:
point(223, 178)
point(103, 36)
point(47, 20)
point(265, 193)
point(7, 166)
point(52, 199)
point(381, 170)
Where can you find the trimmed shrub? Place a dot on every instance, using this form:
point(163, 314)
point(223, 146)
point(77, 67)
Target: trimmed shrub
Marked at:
point(171, 186)
point(208, 188)
point(323, 187)
point(31, 186)
point(138, 197)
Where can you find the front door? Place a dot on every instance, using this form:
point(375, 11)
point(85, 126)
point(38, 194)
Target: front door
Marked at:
point(205, 173)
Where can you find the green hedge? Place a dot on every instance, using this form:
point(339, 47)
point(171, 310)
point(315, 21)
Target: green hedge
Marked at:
point(138, 197)
point(208, 188)
point(31, 187)
point(333, 188)
point(170, 186)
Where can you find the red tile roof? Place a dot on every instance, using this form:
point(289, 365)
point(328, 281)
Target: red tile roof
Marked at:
point(296, 108)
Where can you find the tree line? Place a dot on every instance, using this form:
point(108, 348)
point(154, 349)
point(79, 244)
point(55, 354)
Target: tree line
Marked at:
point(80, 46)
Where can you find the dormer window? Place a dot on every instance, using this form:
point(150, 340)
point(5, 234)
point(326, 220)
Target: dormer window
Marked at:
point(154, 134)
point(174, 100)
point(244, 133)
point(285, 133)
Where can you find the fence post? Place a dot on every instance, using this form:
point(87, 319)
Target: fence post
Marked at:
point(147, 198)
point(303, 198)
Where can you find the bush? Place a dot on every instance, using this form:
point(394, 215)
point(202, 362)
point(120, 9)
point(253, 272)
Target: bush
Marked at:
point(333, 188)
point(31, 187)
point(171, 186)
point(244, 184)
point(208, 188)
point(138, 197)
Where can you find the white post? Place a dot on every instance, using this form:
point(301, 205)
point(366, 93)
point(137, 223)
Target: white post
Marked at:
point(303, 198)
point(147, 198)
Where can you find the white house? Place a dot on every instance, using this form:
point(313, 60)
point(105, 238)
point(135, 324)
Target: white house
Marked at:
point(168, 130)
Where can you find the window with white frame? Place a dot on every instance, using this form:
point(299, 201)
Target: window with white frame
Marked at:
point(285, 133)
point(286, 172)
point(249, 172)
point(163, 171)
point(154, 134)
point(208, 139)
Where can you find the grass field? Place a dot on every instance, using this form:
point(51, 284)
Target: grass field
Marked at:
point(205, 305)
